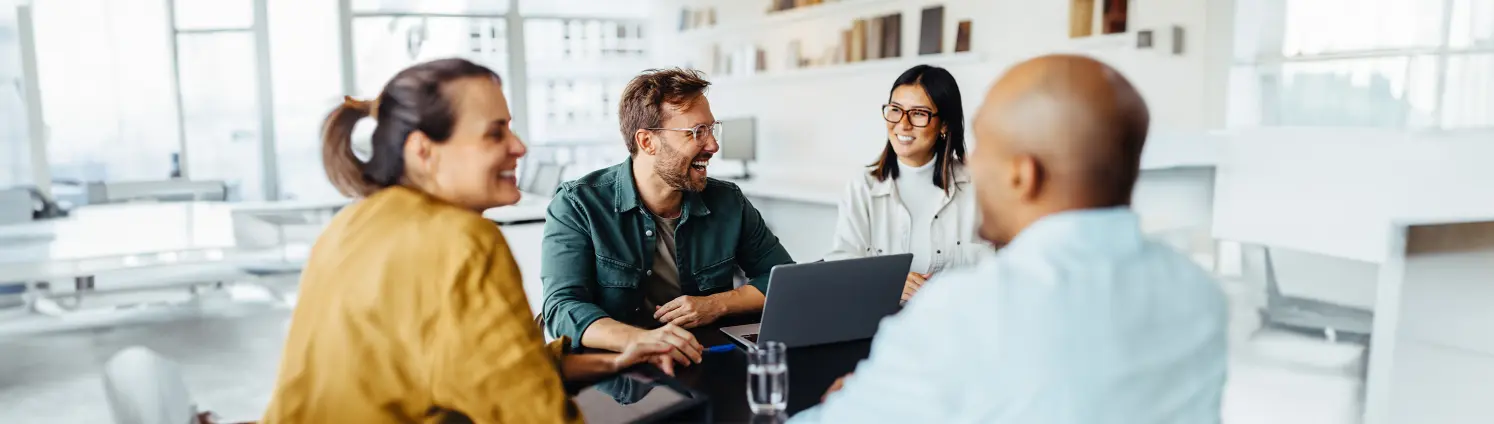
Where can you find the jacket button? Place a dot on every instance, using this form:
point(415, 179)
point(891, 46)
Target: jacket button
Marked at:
point(649, 233)
point(936, 216)
point(957, 243)
point(879, 250)
point(938, 252)
point(648, 272)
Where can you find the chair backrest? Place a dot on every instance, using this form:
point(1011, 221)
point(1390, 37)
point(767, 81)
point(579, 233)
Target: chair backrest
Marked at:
point(16, 205)
point(547, 178)
point(145, 388)
point(161, 191)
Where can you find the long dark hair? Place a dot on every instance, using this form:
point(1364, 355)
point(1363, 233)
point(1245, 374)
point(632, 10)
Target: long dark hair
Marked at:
point(949, 149)
point(414, 100)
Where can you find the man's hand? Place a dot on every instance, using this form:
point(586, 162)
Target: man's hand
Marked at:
point(651, 352)
point(915, 282)
point(690, 311)
point(685, 349)
point(836, 386)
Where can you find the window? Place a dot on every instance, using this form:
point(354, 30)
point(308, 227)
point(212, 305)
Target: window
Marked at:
point(15, 150)
point(384, 45)
point(577, 70)
point(104, 70)
point(307, 83)
point(1407, 64)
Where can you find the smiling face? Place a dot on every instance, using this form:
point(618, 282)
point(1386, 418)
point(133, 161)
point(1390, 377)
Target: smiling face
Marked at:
point(913, 145)
point(474, 168)
point(679, 159)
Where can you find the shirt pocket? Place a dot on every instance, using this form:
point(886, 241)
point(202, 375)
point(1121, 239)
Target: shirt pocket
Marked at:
point(615, 274)
point(717, 276)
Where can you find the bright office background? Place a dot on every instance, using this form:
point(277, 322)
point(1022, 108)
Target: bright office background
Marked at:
point(1302, 126)
point(238, 87)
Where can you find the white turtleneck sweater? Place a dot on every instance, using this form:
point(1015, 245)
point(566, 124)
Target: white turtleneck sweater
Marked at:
point(916, 189)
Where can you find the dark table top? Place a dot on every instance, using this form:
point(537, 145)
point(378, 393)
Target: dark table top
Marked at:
point(723, 376)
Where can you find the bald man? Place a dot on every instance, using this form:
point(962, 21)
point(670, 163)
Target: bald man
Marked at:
point(1079, 319)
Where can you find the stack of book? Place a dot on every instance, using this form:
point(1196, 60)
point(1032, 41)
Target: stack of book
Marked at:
point(873, 38)
point(782, 5)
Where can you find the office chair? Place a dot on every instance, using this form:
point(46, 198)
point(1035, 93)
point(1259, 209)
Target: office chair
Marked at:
point(1301, 314)
point(145, 388)
point(547, 178)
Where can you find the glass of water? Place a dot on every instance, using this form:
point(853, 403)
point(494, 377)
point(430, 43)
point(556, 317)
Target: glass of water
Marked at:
point(767, 378)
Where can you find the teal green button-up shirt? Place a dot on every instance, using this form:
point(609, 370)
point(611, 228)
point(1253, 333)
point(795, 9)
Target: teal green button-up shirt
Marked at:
point(600, 240)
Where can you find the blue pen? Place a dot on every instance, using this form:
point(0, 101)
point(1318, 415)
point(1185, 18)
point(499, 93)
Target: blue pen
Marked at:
point(720, 348)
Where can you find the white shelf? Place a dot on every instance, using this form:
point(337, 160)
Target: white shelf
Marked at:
point(850, 9)
point(942, 60)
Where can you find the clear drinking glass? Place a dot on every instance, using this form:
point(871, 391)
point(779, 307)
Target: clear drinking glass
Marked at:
point(767, 378)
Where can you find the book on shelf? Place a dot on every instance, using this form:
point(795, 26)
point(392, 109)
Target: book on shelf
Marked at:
point(874, 38)
point(845, 46)
point(962, 37)
point(931, 34)
point(892, 36)
point(858, 41)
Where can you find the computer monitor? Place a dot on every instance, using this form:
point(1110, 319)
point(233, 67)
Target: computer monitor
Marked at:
point(739, 140)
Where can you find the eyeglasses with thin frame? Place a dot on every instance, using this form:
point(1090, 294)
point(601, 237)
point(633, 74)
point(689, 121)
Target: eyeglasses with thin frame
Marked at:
point(699, 132)
point(918, 117)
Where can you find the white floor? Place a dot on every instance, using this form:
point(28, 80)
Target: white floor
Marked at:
point(228, 344)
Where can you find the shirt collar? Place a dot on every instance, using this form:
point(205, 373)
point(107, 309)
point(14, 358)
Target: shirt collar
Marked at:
point(1114, 228)
point(625, 193)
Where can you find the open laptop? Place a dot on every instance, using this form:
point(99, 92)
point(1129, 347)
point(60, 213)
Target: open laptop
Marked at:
point(827, 302)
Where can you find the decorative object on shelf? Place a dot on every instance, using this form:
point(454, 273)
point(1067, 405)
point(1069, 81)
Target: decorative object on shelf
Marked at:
point(1144, 39)
point(931, 34)
point(962, 37)
point(1177, 40)
point(697, 18)
point(783, 5)
point(1081, 18)
point(1115, 16)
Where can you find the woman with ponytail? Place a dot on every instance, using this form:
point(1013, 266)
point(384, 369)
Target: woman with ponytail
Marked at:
point(411, 307)
point(916, 198)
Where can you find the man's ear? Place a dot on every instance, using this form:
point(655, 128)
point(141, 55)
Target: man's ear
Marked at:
point(644, 139)
point(1027, 177)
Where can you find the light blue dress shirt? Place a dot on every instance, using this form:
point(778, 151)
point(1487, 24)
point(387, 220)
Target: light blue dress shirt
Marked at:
point(1080, 320)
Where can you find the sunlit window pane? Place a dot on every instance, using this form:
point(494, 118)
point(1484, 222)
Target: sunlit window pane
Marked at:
point(1472, 24)
point(220, 111)
point(307, 85)
point(1326, 26)
point(105, 77)
point(1392, 92)
point(214, 14)
point(619, 9)
point(385, 45)
point(1468, 101)
point(432, 6)
point(15, 148)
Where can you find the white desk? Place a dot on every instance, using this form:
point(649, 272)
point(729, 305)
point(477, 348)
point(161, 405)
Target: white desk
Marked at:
point(104, 238)
point(530, 209)
point(1432, 353)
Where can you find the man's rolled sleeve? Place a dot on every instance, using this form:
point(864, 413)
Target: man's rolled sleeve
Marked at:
point(568, 271)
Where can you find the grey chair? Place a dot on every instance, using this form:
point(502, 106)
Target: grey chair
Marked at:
point(547, 177)
point(145, 388)
point(1301, 314)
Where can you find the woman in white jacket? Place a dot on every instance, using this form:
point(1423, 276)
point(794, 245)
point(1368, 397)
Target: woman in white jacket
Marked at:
point(917, 197)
